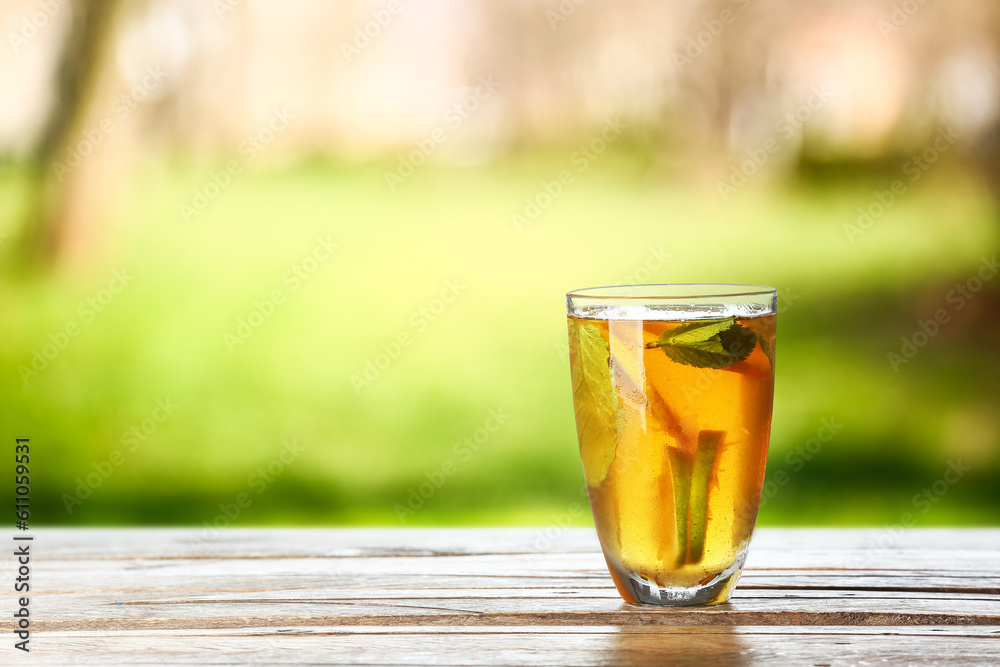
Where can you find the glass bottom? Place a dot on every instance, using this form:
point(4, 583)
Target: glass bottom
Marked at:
point(638, 589)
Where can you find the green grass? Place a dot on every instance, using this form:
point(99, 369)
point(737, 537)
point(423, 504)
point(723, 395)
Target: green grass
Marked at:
point(500, 344)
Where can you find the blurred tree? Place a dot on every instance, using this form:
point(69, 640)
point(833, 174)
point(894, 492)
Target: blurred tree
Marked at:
point(76, 79)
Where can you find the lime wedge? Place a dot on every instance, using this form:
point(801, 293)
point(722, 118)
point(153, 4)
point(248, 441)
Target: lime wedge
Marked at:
point(681, 463)
point(701, 476)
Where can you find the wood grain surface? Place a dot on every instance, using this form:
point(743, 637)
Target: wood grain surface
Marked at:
point(525, 596)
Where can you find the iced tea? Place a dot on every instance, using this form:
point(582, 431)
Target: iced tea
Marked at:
point(673, 418)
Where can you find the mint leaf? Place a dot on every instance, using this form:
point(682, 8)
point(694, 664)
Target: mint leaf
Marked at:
point(764, 330)
point(595, 371)
point(738, 341)
point(595, 400)
point(707, 343)
point(694, 332)
point(765, 347)
point(692, 356)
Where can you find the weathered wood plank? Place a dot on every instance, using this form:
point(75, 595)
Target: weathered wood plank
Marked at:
point(684, 646)
point(444, 573)
point(321, 595)
point(501, 596)
point(555, 617)
point(782, 547)
point(796, 630)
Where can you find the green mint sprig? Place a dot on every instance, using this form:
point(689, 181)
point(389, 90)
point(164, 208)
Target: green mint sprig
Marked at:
point(707, 343)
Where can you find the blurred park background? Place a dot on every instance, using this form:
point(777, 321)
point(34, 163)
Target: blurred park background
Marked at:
point(304, 262)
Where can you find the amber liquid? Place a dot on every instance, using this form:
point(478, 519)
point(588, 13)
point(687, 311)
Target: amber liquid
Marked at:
point(678, 503)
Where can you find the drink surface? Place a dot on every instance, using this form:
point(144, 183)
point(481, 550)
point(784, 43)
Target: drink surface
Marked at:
point(673, 419)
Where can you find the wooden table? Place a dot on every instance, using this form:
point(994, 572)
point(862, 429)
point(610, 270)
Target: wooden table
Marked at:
point(520, 596)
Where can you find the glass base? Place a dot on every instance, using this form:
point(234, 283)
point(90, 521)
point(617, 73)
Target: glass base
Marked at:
point(638, 589)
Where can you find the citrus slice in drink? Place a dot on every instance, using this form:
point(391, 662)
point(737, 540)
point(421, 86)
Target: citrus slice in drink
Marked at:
point(595, 399)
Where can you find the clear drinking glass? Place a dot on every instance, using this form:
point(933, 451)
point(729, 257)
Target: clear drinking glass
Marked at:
point(672, 388)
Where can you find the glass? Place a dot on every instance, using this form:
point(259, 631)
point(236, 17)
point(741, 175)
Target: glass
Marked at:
point(672, 389)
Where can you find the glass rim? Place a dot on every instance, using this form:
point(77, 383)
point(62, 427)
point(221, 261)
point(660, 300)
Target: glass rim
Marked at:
point(695, 291)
